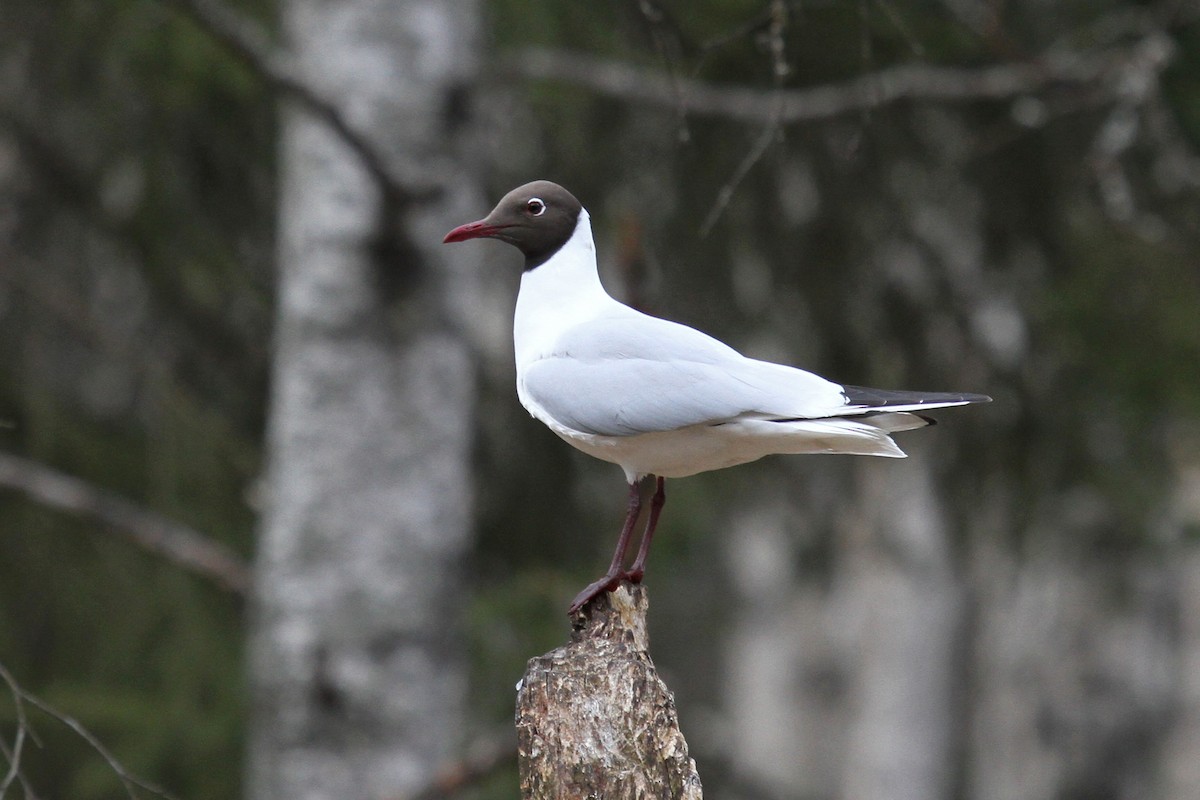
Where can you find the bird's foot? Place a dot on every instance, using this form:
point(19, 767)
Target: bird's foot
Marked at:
point(596, 588)
point(635, 575)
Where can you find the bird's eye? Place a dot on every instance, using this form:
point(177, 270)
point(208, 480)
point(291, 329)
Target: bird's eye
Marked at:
point(535, 206)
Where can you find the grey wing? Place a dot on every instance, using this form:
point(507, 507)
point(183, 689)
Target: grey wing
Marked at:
point(642, 374)
point(630, 396)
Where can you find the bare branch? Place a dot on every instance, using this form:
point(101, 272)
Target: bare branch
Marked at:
point(14, 770)
point(725, 195)
point(251, 45)
point(13, 754)
point(177, 542)
point(904, 82)
point(130, 781)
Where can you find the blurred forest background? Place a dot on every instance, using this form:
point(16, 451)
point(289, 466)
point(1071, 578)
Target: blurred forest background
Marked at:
point(273, 524)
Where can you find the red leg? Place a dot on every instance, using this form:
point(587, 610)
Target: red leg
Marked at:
point(635, 573)
point(615, 572)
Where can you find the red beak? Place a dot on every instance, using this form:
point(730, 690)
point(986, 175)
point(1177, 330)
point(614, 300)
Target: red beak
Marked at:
point(472, 230)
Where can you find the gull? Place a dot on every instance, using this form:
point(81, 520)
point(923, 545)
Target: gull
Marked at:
point(658, 398)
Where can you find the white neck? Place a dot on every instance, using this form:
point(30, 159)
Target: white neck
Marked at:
point(563, 291)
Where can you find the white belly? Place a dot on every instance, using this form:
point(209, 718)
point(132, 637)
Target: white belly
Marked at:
point(700, 448)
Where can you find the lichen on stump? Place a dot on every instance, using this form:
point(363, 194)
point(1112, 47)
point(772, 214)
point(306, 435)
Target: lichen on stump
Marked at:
point(594, 720)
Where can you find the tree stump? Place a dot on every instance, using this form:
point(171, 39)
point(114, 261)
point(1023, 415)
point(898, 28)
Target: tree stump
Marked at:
point(594, 720)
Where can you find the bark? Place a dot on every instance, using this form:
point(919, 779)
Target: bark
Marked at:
point(593, 717)
point(156, 533)
point(358, 670)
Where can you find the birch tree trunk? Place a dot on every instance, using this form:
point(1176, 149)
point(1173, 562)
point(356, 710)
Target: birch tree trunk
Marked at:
point(357, 667)
point(909, 638)
point(846, 687)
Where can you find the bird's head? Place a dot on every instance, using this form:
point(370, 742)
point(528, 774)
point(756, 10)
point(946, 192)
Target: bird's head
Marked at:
point(537, 219)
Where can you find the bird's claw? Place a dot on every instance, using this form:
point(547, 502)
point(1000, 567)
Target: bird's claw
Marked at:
point(594, 589)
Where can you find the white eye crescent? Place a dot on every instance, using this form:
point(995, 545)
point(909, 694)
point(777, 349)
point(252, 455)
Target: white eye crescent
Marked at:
point(535, 206)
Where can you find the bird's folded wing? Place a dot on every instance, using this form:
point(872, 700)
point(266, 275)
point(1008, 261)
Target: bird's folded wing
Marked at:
point(643, 375)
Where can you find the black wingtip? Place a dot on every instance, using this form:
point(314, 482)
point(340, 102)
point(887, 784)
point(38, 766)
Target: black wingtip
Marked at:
point(882, 398)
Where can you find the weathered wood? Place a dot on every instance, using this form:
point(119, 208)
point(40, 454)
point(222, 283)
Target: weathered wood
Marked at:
point(594, 720)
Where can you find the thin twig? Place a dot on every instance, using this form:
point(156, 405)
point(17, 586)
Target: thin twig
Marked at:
point(26, 786)
point(760, 20)
point(669, 44)
point(779, 71)
point(725, 195)
point(178, 543)
point(130, 781)
point(13, 755)
point(897, 21)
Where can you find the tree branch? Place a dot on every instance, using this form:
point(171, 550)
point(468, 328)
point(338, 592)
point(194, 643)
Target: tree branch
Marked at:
point(904, 82)
point(178, 543)
point(13, 754)
point(251, 45)
point(593, 717)
point(20, 698)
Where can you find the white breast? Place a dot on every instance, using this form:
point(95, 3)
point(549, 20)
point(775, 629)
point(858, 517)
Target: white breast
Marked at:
point(562, 292)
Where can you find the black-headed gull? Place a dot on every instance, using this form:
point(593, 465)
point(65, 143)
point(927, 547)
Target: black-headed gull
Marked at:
point(655, 397)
